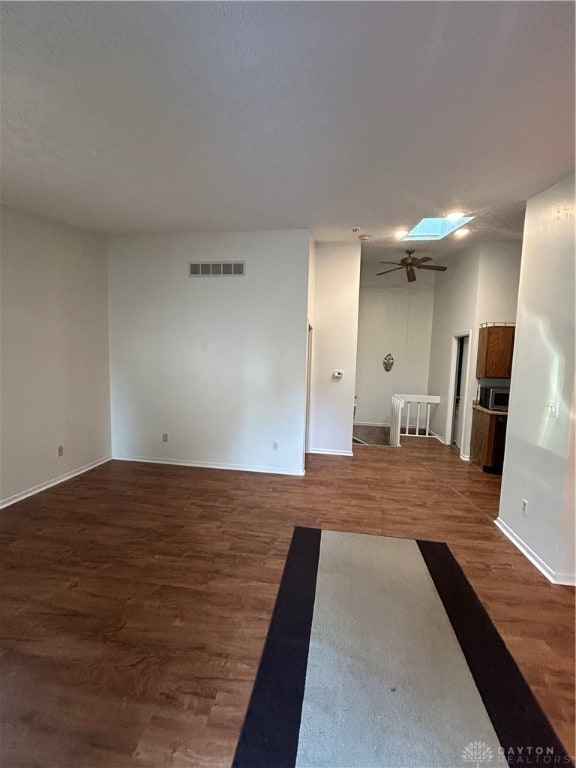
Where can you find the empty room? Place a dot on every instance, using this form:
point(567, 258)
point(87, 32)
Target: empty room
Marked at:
point(287, 384)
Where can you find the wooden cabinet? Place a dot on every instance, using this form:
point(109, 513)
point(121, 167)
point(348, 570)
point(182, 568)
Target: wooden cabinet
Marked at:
point(495, 348)
point(488, 439)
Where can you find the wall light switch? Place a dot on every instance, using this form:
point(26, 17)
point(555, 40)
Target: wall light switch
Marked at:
point(552, 409)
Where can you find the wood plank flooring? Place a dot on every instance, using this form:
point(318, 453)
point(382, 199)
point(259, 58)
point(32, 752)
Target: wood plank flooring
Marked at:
point(136, 597)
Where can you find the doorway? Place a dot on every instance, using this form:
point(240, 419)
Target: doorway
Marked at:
point(460, 383)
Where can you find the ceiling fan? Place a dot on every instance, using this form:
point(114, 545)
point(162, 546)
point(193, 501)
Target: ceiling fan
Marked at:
point(409, 263)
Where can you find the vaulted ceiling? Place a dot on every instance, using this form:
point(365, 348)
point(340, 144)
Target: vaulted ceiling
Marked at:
point(155, 117)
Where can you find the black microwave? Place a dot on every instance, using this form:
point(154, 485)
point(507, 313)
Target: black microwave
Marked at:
point(493, 398)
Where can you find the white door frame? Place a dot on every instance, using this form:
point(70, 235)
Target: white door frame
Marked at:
point(309, 351)
point(463, 413)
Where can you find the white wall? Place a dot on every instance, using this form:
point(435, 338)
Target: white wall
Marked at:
point(565, 561)
point(335, 339)
point(537, 464)
point(311, 280)
point(498, 280)
point(217, 363)
point(395, 317)
point(455, 299)
point(54, 368)
point(310, 347)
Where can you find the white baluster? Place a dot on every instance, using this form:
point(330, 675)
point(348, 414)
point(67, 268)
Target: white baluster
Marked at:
point(404, 402)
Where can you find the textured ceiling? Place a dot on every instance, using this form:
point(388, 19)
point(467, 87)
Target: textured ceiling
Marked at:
point(156, 117)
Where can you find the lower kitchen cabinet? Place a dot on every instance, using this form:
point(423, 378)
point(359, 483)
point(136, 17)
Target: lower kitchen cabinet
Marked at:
point(488, 438)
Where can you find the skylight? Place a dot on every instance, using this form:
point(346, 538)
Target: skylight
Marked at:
point(436, 229)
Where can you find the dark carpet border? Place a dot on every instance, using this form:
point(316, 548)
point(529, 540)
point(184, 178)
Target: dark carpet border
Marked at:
point(269, 736)
point(512, 707)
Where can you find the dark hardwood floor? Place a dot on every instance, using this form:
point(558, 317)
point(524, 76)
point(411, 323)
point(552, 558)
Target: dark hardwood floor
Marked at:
point(136, 597)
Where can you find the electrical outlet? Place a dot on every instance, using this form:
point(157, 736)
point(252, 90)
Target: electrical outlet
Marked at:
point(524, 508)
point(165, 437)
point(60, 450)
point(274, 446)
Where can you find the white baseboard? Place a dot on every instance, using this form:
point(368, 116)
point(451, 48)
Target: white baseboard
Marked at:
point(330, 452)
point(556, 577)
point(214, 465)
point(371, 424)
point(49, 483)
point(465, 457)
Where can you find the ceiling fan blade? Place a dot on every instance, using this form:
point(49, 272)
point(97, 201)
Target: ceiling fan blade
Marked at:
point(431, 266)
point(410, 274)
point(389, 270)
point(396, 263)
point(415, 262)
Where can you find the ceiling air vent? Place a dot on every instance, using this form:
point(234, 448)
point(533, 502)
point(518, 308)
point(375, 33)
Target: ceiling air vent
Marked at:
point(217, 268)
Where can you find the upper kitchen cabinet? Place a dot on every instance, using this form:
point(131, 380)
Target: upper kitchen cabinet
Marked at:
point(495, 348)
